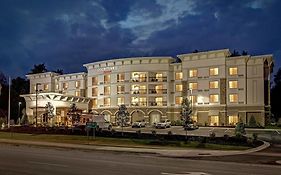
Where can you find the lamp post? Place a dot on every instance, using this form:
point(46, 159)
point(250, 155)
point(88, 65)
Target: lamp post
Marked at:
point(19, 112)
point(36, 101)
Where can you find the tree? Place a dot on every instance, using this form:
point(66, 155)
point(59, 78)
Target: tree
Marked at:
point(235, 53)
point(240, 129)
point(186, 114)
point(244, 52)
point(252, 122)
point(38, 68)
point(74, 114)
point(276, 96)
point(122, 116)
point(49, 113)
point(59, 71)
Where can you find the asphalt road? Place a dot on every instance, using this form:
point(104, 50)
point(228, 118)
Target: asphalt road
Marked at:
point(24, 160)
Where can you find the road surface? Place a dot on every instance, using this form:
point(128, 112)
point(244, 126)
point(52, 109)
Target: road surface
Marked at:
point(25, 160)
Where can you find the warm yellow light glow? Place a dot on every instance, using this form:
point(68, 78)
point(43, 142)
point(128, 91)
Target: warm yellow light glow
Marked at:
point(178, 76)
point(214, 71)
point(214, 98)
point(233, 84)
point(193, 73)
point(233, 71)
point(214, 84)
point(233, 98)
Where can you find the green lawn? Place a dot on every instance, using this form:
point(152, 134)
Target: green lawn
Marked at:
point(116, 141)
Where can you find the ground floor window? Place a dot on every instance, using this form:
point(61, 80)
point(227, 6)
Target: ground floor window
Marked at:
point(232, 120)
point(194, 118)
point(214, 120)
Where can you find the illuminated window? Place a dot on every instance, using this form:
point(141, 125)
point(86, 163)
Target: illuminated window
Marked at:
point(233, 98)
point(193, 99)
point(178, 87)
point(106, 79)
point(232, 120)
point(214, 120)
point(107, 101)
point(193, 73)
point(214, 84)
point(193, 86)
point(233, 71)
point(77, 93)
point(159, 101)
point(95, 81)
point(142, 101)
point(121, 89)
point(95, 91)
point(120, 77)
point(178, 100)
point(46, 87)
point(65, 86)
point(77, 84)
point(178, 75)
point(95, 103)
point(57, 86)
point(214, 98)
point(139, 77)
point(159, 77)
point(233, 84)
point(194, 118)
point(214, 71)
point(107, 90)
point(120, 101)
point(159, 89)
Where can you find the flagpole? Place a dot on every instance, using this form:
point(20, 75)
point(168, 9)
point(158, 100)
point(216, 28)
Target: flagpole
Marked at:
point(9, 103)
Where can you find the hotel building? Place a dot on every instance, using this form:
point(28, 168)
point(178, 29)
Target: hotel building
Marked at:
point(223, 89)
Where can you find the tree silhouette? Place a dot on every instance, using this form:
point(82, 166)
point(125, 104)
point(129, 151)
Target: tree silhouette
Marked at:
point(38, 68)
point(276, 96)
point(186, 114)
point(74, 114)
point(122, 116)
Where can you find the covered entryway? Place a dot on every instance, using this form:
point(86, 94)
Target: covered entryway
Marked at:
point(137, 116)
point(106, 115)
point(154, 117)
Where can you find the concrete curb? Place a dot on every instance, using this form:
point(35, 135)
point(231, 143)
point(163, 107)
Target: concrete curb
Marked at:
point(175, 153)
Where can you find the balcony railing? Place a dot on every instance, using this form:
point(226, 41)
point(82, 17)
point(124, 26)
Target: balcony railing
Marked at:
point(158, 91)
point(154, 103)
point(139, 104)
point(140, 91)
point(154, 79)
point(142, 79)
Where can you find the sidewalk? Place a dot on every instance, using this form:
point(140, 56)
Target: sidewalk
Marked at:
point(177, 153)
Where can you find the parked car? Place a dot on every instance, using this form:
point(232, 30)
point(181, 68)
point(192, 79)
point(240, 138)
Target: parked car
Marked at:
point(190, 127)
point(163, 124)
point(138, 124)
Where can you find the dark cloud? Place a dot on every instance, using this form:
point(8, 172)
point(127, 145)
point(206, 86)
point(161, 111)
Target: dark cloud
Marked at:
point(67, 33)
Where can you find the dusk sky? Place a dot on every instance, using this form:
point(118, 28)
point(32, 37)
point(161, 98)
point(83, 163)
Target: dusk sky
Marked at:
point(64, 34)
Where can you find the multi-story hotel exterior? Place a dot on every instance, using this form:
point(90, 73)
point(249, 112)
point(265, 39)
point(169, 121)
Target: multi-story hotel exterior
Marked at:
point(223, 89)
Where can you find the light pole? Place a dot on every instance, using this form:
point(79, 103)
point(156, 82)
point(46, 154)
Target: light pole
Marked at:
point(36, 100)
point(19, 112)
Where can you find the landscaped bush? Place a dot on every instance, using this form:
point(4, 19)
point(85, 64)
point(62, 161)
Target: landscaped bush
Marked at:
point(177, 123)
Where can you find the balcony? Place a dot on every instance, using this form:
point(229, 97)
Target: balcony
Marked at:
point(142, 79)
point(139, 104)
point(154, 103)
point(158, 91)
point(154, 79)
point(140, 91)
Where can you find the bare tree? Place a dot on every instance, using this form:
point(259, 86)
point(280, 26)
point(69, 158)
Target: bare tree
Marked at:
point(186, 114)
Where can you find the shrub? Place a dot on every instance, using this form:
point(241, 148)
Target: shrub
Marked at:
point(138, 132)
point(253, 122)
point(212, 134)
point(255, 136)
point(153, 132)
point(240, 129)
point(170, 133)
point(226, 136)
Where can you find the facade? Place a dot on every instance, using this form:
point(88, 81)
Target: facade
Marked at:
point(222, 89)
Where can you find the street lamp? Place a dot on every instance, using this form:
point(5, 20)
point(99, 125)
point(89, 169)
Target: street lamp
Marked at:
point(19, 112)
point(36, 99)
